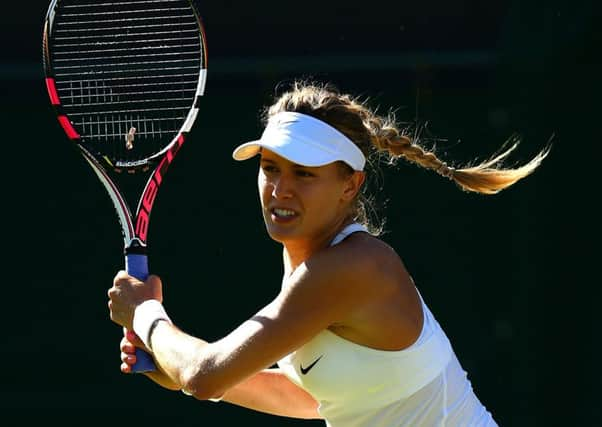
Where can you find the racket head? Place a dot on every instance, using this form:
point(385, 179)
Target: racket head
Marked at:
point(125, 77)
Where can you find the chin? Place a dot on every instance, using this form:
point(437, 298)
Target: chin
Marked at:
point(280, 233)
point(277, 234)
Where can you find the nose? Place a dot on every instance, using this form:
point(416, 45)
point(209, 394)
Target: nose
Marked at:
point(282, 187)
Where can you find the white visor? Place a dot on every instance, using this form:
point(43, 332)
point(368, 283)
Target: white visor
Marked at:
point(303, 140)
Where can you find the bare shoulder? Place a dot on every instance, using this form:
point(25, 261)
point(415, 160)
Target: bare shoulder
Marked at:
point(360, 285)
point(387, 313)
point(367, 253)
point(359, 260)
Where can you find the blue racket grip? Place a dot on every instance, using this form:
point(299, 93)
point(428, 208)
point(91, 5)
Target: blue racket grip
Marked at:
point(137, 266)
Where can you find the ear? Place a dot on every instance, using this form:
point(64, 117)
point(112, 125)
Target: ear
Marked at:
point(353, 185)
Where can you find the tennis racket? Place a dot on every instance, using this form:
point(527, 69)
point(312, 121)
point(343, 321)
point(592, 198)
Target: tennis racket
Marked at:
point(125, 78)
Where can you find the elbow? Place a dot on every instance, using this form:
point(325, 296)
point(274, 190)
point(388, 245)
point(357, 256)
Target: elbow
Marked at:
point(202, 393)
point(202, 381)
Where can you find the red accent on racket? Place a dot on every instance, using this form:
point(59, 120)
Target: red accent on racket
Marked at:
point(125, 78)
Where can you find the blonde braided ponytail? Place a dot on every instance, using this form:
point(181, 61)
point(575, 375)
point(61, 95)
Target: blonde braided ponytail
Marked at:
point(378, 135)
point(486, 177)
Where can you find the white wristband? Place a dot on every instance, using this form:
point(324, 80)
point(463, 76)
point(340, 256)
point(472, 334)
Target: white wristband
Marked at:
point(145, 317)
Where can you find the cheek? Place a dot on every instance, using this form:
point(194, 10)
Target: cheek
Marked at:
point(325, 198)
point(262, 188)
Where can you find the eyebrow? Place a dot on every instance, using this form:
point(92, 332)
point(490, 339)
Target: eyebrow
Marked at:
point(295, 165)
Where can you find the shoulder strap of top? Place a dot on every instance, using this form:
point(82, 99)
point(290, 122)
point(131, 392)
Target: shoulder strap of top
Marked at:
point(351, 228)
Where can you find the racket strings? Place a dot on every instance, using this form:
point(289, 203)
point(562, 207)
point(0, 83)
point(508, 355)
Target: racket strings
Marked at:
point(127, 72)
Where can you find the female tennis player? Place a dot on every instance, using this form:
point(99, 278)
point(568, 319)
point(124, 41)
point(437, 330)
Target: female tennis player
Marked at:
point(354, 341)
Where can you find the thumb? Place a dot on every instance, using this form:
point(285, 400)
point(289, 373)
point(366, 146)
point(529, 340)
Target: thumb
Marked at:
point(154, 283)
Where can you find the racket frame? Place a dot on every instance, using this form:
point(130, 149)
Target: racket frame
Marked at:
point(134, 229)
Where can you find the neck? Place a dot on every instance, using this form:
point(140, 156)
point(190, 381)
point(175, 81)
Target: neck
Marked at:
point(297, 252)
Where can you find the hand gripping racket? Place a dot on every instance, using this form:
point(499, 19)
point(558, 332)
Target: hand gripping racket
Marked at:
point(125, 79)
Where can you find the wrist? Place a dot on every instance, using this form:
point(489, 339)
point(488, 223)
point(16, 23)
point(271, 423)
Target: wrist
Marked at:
point(146, 317)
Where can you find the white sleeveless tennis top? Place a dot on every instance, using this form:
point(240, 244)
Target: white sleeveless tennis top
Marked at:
point(357, 386)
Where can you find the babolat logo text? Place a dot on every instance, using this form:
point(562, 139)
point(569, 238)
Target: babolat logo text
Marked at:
point(122, 164)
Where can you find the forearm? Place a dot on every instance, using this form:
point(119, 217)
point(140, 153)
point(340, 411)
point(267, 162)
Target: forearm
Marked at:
point(270, 391)
point(179, 356)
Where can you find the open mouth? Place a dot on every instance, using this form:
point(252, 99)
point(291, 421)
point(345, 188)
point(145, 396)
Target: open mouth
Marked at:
point(282, 214)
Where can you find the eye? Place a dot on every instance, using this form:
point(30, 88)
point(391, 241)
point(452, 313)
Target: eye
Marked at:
point(269, 168)
point(304, 173)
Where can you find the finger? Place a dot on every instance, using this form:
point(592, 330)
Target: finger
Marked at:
point(134, 339)
point(130, 335)
point(125, 368)
point(127, 358)
point(121, 275)
point(127, 347)
point(112, 291)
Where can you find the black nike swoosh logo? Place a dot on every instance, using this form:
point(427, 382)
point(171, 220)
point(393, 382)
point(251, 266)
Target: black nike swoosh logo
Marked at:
point(304, 371)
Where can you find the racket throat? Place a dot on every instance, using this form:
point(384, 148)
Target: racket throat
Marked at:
point(135, 246)
point(136, 260)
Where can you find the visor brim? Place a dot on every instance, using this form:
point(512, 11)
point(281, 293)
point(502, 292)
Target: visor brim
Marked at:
point(295, 153)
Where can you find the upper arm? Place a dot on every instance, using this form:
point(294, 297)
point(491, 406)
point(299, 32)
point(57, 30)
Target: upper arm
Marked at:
point(271, 391)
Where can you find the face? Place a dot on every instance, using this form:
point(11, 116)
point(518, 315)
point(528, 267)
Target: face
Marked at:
point(304, 203)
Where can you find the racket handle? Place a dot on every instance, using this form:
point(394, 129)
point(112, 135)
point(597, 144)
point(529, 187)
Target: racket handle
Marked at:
point(137, 266)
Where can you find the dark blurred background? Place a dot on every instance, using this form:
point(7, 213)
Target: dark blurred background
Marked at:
point(512, 278)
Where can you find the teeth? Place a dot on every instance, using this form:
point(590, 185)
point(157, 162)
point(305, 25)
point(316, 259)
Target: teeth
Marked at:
point(284, 212)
